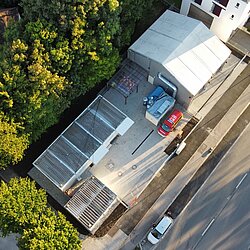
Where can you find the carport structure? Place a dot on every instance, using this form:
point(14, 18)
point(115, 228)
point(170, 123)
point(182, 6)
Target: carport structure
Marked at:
point(83, 143)
point(67, 160)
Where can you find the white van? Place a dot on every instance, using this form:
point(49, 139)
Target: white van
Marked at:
point(160, 229)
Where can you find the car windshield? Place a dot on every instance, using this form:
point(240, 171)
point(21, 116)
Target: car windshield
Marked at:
point(166, 128)
point(156, 234)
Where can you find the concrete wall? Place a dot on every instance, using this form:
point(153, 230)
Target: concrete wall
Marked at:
point(141, 60)
point(231, 17)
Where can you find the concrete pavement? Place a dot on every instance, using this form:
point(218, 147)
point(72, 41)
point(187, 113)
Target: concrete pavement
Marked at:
point(190, 168)
point(129, 242)
point(217, 217)
point(9, 242)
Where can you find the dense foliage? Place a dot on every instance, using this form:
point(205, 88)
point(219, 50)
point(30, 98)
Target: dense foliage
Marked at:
point(23, 210)
point(12, 144)
point(57, 51)
point(8, 3)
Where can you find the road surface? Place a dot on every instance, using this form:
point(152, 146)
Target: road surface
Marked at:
point(218, 217)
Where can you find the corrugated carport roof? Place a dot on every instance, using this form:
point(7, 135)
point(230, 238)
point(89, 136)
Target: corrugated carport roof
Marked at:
point(92, 203)
point(68, 153)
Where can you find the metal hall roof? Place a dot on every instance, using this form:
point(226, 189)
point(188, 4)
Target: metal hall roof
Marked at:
point(185, 47)
point(79, 141)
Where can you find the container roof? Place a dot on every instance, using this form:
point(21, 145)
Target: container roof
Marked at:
point(78, 143)
point(185, 47)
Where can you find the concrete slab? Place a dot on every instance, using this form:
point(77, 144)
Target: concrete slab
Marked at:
point(105, 242)
point(9, 242)
point(137, 156)
point(190, 168)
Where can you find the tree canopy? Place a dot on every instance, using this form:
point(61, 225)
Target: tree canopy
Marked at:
point(23, 210)
point(12, 144)
point(56, 52)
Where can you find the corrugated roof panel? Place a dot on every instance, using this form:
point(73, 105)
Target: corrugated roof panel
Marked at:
point(67, 153)
point(53, 168)
point(91, 202)
point(110, 114)
point(196, 65)
point(94, 124)
point(221, 51)
point(183, 74)
point(81, 139)
point(212, 62)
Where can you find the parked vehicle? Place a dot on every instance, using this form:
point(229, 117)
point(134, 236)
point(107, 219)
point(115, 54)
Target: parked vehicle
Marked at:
point(170, 123)
point(160, 229)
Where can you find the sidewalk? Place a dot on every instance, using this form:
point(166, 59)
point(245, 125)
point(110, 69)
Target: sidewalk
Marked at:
point(190, 168)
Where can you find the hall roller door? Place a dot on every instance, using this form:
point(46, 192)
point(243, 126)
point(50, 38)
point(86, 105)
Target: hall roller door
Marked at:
point(201, 15)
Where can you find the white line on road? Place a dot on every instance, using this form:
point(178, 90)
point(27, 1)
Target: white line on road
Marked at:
point(208, 226)
point(242, 179)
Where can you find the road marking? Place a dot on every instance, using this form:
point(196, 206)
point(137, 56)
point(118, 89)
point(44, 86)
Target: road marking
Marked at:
point(208, 226)
point(242, 179)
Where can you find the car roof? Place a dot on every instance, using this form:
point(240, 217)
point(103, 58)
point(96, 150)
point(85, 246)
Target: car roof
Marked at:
point(174, 116)
point(164, 224)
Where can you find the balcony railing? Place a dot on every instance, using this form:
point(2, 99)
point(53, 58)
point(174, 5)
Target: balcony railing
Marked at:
point(222, 2)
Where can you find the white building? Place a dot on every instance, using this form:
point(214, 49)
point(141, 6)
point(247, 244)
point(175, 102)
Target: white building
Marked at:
point(221, 16)
point(181, 50)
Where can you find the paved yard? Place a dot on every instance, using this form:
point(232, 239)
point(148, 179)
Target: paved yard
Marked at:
point(137, 156)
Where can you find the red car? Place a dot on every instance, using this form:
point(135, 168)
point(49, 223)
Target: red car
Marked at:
point(170, 123)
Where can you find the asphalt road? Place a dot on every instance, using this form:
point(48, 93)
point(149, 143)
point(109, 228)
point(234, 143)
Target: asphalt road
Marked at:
point(218, 217)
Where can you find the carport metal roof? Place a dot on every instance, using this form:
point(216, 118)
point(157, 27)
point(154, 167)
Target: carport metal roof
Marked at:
point(92, 204)
point(78, 143)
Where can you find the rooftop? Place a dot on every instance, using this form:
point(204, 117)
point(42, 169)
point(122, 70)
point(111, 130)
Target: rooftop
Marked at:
point(185, 47)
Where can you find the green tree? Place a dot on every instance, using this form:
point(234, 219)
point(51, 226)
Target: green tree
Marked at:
point(31, 93)
point(132, 11)
point(21, 205)
point(58, 51)
point(8, 3)
point(23, 210)
point(82, 49)
point(12, 143)
point(53, 232)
